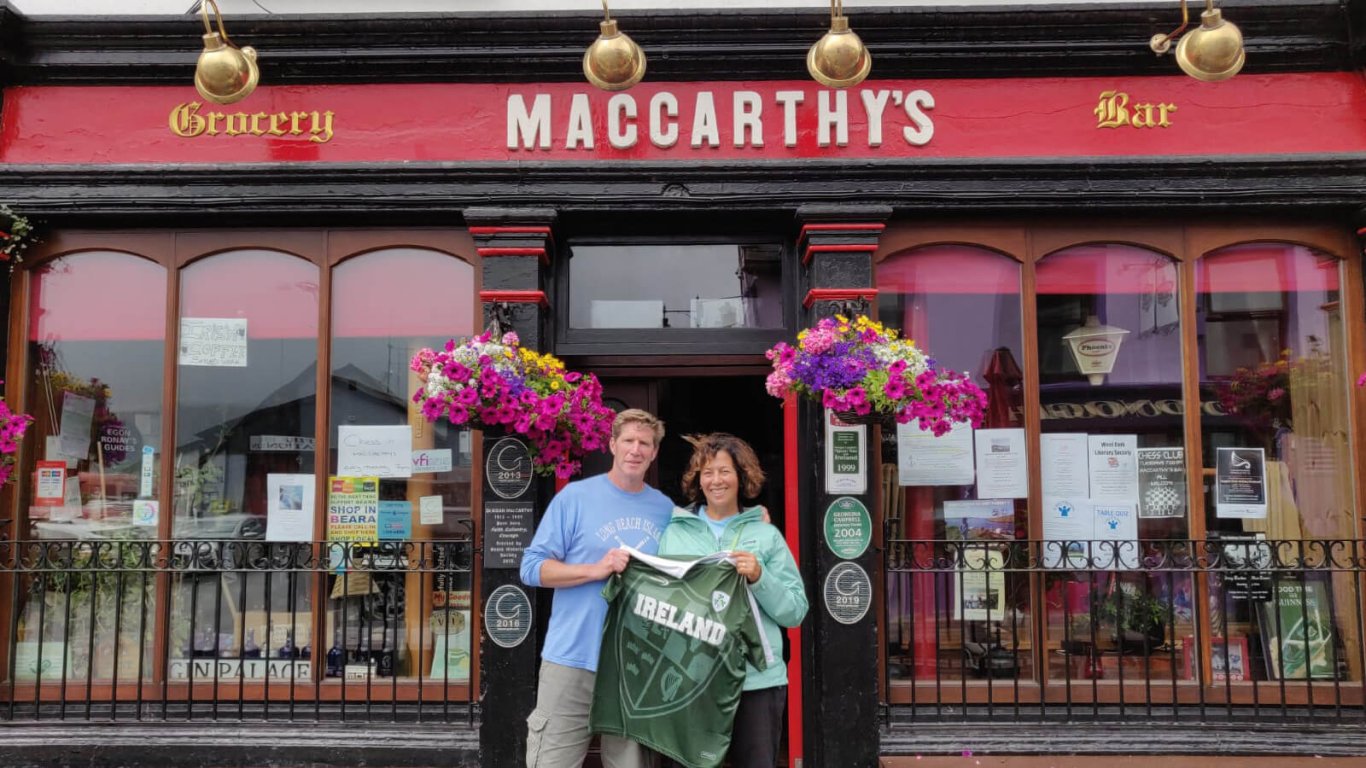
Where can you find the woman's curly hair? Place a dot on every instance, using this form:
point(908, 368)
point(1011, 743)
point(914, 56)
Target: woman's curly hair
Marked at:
point(706, 447)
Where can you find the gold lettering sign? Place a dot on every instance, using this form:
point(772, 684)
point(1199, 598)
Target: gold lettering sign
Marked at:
point(1113, 111)
point(187, 122)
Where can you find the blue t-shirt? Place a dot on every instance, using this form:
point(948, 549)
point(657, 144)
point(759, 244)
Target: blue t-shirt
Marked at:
point(718, 527)
point(582, 523)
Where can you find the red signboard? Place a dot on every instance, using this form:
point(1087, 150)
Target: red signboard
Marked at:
point(691, 122)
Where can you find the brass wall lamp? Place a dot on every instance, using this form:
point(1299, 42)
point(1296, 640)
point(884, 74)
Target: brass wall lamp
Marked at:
point(1212, 52)
point(225, 73)
point(839, 59)
point(614, 62)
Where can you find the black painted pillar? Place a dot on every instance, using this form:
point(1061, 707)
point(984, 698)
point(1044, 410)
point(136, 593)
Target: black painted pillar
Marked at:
point(840, 637)
point(515, 246)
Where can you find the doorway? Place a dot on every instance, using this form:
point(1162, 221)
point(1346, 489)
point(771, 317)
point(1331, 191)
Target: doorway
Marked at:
point(692, 404)
point(696, 404)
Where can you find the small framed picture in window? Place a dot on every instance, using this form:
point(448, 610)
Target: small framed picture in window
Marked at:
point(1228, 658)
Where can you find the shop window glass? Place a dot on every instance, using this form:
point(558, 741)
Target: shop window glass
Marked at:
point(246, 398)
point(962, 305)
point(1113, 465)
point(675, 286)
point(386, 618)
point(95, 348)
point(1278, 468)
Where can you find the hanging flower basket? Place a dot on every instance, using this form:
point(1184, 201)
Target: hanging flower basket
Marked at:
point(871, 417)
point(12, 428)
point(494, 383)
point(863, 372)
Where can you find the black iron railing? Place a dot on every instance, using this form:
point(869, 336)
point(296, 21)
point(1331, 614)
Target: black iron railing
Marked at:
point(1199, 631)
point(240, 630)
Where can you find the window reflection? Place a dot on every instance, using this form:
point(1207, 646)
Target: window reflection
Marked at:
point(386, 619)
point(675, 286)
point(962, 305)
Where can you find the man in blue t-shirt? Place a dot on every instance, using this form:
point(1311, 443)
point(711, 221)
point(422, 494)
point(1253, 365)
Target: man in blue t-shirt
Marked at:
point(575, 549)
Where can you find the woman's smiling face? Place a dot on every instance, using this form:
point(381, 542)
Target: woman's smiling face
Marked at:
point(720, 482)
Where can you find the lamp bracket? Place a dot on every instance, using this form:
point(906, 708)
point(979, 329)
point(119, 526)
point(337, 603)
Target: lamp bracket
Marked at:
point(500, 317)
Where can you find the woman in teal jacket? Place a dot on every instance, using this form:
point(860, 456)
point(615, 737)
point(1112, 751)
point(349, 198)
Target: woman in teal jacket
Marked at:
point(722, 468)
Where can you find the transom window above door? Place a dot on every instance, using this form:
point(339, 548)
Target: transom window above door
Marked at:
point(675, 286)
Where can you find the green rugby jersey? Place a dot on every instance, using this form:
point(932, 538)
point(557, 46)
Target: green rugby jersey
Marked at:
point(674, 648)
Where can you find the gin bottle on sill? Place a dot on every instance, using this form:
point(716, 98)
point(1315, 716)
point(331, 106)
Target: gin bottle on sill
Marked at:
point(385, 667)
point(250, 650)
point(335, 660)
point(287, 649)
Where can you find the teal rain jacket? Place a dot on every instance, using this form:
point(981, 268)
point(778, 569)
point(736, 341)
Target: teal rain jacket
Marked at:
point(779, 588)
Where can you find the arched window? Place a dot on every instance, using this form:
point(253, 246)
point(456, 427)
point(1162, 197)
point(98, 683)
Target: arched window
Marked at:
point(380, 319)
point(960, 303)
point(1112, 442)
point(1274, 377)
point(96, 343)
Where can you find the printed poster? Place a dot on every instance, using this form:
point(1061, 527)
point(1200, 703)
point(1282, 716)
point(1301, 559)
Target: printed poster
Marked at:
point(50, 488)
point(1113, 467)
point(395, 520)
point(1068, 526)
point(1116, 534)
point(1064, 456)
point(1002, 470)
point(1240, 483)
point(1298, 630)
point(923, 459)
point(215, 342)
point(982, 581)
point(353, 509)
point(1161, 482)
point(985, 520)
point(289, 507)
point(147, 471)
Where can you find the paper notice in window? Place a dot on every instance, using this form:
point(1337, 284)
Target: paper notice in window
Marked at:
point(923, 459)
point(430, 511)
point(375, 451)
point(1064, 459)
point(73, 440)
point(289, 507)
point(1002, 472)
point(1113, 467)
point(145, 512)
point(216, 342)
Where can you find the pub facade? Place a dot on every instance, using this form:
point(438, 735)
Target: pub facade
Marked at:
point(1152, 545)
